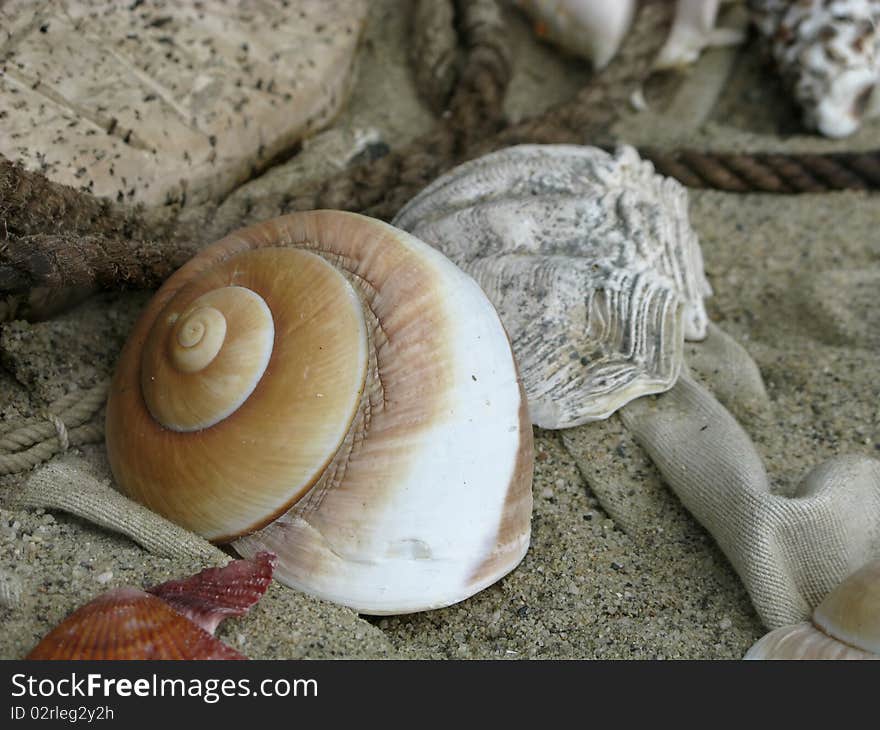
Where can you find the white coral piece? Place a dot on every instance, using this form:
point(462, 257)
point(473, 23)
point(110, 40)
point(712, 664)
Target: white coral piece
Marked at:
point(591, 262)
point(828, 52)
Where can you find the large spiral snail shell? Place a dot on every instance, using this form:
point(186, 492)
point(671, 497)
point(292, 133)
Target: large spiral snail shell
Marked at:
point(333, 390)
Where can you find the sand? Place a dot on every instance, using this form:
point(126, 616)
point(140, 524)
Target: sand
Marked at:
point(794, 279)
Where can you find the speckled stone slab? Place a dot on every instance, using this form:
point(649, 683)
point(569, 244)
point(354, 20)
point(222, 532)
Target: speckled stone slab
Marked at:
point(160, 102)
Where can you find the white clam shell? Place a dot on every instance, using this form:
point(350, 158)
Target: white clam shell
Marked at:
point(593, 29)
point(591, 262)
point(851, 612)
point(845, 625)
point(398, 478)
point(803, 641)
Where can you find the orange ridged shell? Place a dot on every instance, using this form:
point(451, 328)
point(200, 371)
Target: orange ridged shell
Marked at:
point(128, 623)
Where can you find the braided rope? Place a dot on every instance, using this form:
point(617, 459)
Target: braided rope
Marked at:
point(434, 52)
point(763, 172)
point(62, 404)
point(63, 426)
point(24, 460)
point(60, 430)
point(73, 410)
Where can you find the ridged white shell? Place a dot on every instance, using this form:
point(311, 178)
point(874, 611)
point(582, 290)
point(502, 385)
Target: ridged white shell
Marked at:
point(591, 262)
point(828, 53)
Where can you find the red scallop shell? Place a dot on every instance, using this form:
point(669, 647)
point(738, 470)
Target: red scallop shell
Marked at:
point(218, 593)
point(130, 624)
point(175, 620)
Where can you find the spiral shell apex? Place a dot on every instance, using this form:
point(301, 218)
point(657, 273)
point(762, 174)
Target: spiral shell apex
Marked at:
point(333, 390)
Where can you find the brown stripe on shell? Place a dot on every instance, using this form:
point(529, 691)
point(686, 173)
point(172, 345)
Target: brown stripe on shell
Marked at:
point(396, 406)
point(240, 473)
point(517, 514)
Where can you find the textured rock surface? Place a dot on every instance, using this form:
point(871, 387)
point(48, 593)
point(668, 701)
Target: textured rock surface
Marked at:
point(168, 102)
